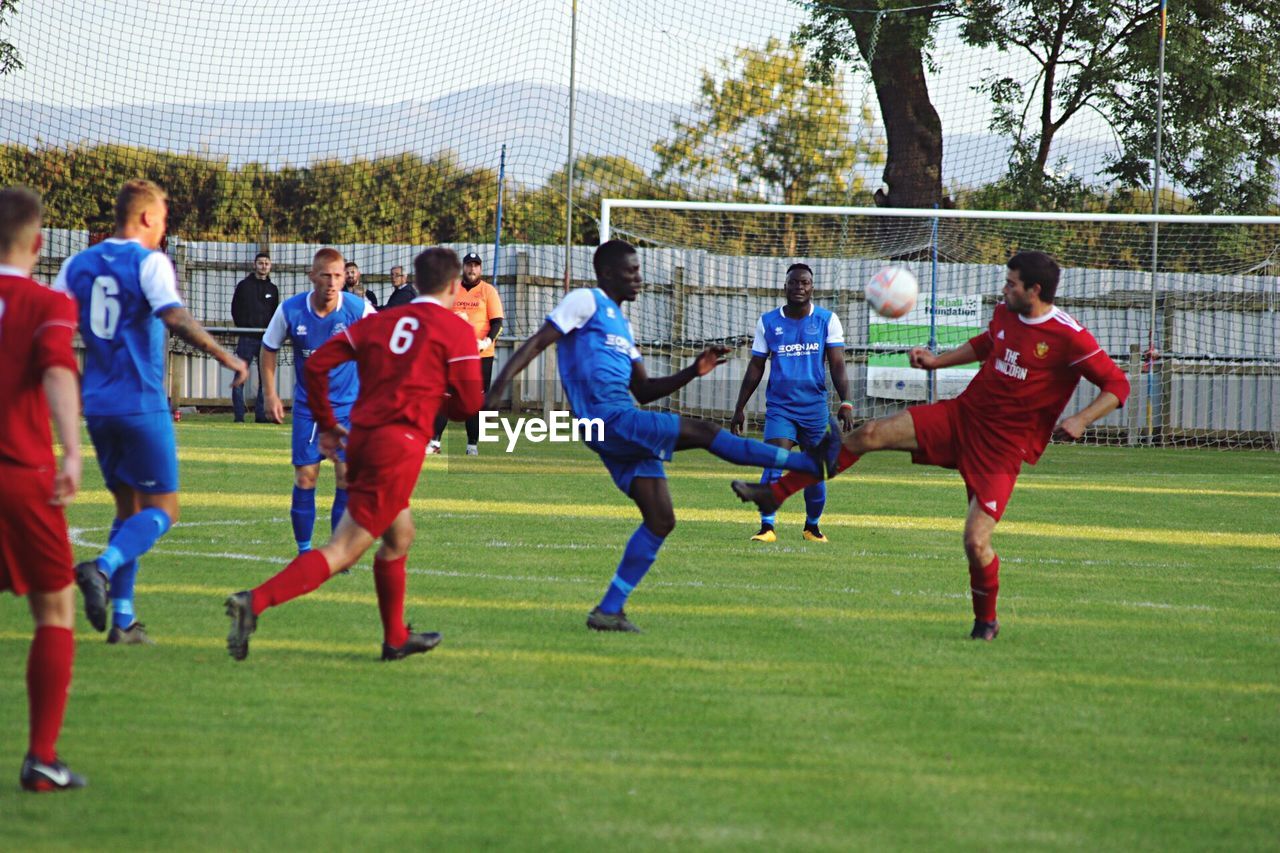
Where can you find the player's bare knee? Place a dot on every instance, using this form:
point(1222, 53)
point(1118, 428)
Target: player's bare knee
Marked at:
point(661, 526)
point(304, 478)
point(977, 546)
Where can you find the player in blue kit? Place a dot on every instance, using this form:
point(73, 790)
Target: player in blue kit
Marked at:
point(128, 296)
point(603, 376)
point(800, 341)
point(307, 320)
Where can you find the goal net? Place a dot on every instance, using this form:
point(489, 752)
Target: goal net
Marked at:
point(1186, 305)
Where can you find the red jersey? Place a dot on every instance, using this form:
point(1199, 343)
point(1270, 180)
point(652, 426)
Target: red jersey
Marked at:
point(410, 359)
point(36, 327)
point(1030, 369)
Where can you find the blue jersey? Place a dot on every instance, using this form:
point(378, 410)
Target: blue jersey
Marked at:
point(121, 287)
point(297, 322)
point(797, 351)
point(595, 353)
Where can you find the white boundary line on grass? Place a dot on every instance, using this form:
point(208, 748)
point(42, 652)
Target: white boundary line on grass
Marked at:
point(75, 534)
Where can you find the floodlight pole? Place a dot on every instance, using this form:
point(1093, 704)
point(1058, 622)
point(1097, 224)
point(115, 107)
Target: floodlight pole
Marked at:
point(573, 107)
point(1155, 227)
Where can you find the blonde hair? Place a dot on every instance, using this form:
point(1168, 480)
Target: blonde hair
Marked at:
point(325, 256)
point(134, 197)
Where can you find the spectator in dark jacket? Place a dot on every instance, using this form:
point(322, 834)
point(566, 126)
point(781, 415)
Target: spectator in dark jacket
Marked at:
point(255, 301)
point(356, 286)
point(402, 292)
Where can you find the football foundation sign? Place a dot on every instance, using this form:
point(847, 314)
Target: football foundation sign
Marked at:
point(889, 376)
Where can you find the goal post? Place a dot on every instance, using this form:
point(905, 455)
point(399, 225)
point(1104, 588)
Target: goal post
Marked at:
point(1195, 326)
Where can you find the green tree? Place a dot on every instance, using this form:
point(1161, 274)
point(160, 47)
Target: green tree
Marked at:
point(9, 59)
point(891, 38)
point(764, 127)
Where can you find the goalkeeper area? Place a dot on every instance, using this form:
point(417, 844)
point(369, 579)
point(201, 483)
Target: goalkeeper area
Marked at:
point(800, 697)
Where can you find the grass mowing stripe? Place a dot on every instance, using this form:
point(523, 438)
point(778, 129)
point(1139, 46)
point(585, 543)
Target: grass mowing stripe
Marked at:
point(944, 613)
point(826, 669)
point(1146, 535)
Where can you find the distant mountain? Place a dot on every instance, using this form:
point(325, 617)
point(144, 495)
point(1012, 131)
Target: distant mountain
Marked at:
point(532, 119)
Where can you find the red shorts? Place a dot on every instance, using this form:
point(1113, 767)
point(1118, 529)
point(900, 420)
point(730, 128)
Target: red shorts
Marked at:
point(34, 551)
point(383, 465)
point(949, 440)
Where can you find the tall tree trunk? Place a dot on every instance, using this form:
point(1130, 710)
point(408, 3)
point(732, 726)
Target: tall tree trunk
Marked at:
point(913, 163)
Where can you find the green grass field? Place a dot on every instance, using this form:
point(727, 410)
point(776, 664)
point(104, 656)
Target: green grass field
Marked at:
point(791, 696)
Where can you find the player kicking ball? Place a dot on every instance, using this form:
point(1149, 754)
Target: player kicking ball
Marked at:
point(412, 359)
point(798, 341)
point(1033, 355)
point(603, 376)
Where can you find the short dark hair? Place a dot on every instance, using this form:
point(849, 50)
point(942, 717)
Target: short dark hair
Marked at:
point(266, 255)
point(609, 254)
point(1037, 268)
point(794, 267)
point(20, 212)
point(435, 268)
point(350, 264)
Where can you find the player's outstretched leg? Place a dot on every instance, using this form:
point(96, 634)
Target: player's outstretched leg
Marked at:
point(399, 640)
point(305, 573)
point(654, 500)
point(747, 451)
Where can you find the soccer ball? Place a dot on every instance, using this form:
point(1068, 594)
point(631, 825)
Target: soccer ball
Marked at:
point(892, 292)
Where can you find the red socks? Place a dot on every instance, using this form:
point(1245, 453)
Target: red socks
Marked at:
point(307, 572)
point(984, 584)
point(795, 481)
point(48, 677)
point(388, 577)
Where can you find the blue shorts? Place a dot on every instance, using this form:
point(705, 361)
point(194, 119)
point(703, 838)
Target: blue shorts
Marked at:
point(636, 443)
point(806, 432)
point(306, 444)
point(139, 451)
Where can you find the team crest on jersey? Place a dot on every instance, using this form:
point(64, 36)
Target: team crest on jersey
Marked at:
point(1042, 349)
point(340, 328)
point(777, 330)
point(301, 329)
point(608, 312)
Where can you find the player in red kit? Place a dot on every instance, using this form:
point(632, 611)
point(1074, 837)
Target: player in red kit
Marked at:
point(412, 359)
point(1033, 355)
point(38, 378)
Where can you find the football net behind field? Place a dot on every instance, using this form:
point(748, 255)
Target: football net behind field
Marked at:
point(1196, 334)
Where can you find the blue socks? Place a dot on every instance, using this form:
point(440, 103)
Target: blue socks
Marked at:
point(770, 475)
point(303, 514)
point(815, 500)
point(641, 551)
point(748, 451)
point(339, 505)
point(121, 594)
point(134, 538)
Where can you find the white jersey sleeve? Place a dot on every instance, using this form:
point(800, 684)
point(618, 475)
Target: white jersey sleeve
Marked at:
point(758, 345)
point(159, 282)
point(277, 330)
point(60, 283)
point(573, 312)
point(835, 331)
point(369, 310)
